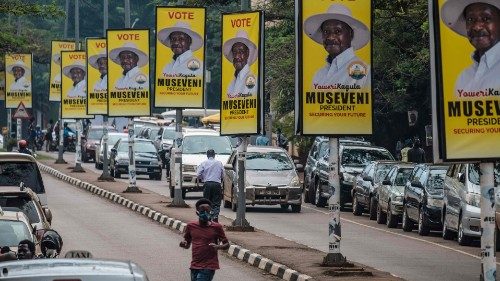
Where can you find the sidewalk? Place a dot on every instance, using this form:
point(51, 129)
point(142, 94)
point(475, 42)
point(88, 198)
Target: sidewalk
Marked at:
point(295, 256)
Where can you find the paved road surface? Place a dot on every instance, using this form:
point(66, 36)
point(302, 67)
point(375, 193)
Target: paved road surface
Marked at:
point(407, 255)
point(107, 230)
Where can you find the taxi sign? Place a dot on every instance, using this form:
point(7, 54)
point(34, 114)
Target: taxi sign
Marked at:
point(21, 112)
point(78, 254)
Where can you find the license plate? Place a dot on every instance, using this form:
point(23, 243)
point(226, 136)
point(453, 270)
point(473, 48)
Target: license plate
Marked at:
point(141, 169)
point(272, 192)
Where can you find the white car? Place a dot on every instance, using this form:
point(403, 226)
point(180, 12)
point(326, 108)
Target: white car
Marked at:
point(112, 139)
point(195, 143)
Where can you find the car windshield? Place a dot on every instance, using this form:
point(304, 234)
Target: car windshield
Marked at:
point(20, 204)
point(474, 173)
point(112, 139)
point(435, 182)
point(13, 232)
point(139, 147)
point(153, 133)
point(95, 134)
point(13, 173)
point(382, 170)
point(270, 161)
point(200, 144)
point(360, 157)
point(403, 176)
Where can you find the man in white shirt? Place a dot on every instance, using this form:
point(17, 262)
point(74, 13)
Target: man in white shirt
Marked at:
point(100, 62)
point(242, 53)
point(479, 22)
point(131, 59)
point(18, 69)
point(211, 173)
point(340, 34)
point(77, 73)
point(183, 42)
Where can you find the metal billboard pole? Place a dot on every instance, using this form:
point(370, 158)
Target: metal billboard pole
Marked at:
point(78, 153)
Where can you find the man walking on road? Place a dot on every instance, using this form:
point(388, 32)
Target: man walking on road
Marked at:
point(416, 154)
point(207, 237)
point(210, 172)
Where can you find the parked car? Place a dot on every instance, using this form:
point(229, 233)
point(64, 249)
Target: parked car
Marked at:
point(270, 179)
point(17, 168)
point(390, 194)
point(91, 141)
point(423, 198)
point(364, 191)
point(195, 143)
point(15, 227)
point(113, 137)
point(353, 155)
point(147, 161)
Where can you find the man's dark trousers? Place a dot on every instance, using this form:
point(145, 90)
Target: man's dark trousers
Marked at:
point(213, 191)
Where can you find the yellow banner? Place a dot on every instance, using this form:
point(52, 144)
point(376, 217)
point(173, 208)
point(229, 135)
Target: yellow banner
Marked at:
point(241, 59)
point(336, 93)
point(2, 85)
point(470, 81)
point(73, 85)
point(128, 72)
point(180, 57)
point(97, 76)
point(55, 67)
point(18, 80)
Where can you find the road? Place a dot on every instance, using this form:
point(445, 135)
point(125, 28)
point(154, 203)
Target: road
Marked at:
point(406, 255)
point(110, 231)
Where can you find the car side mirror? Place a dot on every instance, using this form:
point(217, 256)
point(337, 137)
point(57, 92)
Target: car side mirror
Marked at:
point(416, 184)
point(228, 167)
point(113, 150)
point(48, 214)
point(386, 182)
point(368, 178)
point(461, 177)
point(299, 167)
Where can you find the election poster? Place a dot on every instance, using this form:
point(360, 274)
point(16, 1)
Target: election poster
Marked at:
point(242, 73)
point(18, 80)
point(128, 72)
point(73, 85)
point(2, 85)
point(334, 91)
point(468, 84)
point(97, 76)
point(180, 57)
point(55, 67)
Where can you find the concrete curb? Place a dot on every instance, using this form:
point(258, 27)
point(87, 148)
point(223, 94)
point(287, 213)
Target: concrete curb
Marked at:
point(234, 250)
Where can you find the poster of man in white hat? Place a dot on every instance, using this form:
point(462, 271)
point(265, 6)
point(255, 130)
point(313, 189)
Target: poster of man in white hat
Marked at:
point(19, 70)
point(340, 34)
point(76, 72)
point(55, 67)
point(18, 84)
point(479, 22)
point(131, 59)
point(242, 53)
point(100, 62)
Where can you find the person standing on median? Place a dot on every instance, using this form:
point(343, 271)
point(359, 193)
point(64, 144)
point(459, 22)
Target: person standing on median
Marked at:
point(211, 172)
point(207, 237)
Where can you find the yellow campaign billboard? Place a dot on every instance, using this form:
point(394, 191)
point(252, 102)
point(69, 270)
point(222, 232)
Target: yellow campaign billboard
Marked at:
point(180, 57)
point(334, 93)
point(55, 67)
point(242, 53)
point(2, 85)
point(97, 76)
point(73, 85)
point(18, 80)
point(468, 61)
point(128, 72)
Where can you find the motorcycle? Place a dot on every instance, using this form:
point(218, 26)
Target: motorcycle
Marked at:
point(70, 143)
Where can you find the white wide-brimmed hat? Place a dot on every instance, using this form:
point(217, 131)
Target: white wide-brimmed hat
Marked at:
point(312, 25)
point(241, 37)
point(184, 27)
point(78, 64)
point(57, 58)
point(18, 63)
point(129, 46)
point(452, 13)
point(93, 59)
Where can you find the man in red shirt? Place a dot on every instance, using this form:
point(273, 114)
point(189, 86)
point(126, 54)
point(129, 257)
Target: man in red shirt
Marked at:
point(207, 237)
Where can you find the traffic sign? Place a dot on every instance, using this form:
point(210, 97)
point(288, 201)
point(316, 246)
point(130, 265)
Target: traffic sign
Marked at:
point(21, 112)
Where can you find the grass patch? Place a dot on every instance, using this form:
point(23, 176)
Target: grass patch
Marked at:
point(43, 157)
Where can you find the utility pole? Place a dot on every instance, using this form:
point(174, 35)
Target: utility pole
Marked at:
point(78, 153)
point(488, 206)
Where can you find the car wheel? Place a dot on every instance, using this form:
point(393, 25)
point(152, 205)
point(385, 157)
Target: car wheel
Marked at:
point(184, 193)
point(306, 194)
point(234, 206)
point(96, 165)
point(85, 159)
point(311, 194)
point(463, 240)
point(296, 208)
point(407, 224)
point(423, 223)
point(319, 201)
point(172, 193)
point(227, 204)
point(392, 220)
point(284, 206)
point(381, 216)
point(373, 208)
point(158, 176)
point(447, 234)
point(357, 210)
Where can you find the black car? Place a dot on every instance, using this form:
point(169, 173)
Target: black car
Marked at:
point(364, 192)
point(423, 198)
point(147, 160)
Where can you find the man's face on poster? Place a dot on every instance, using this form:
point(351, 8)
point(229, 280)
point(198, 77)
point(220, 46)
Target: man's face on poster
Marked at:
point(482, 22)
point(128, 60)
point(337, 36)
point(102, 65)
point(240, 53)
point(18, 72)
point(180, 42)
point(77, 74)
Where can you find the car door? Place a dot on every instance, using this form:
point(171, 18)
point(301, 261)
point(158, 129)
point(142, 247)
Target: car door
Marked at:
point(418, 194)
point(383, 190)
point(229, 175)
point(322, 166)
point(311, 165)
point(454, 197)
point(367, 185)
point(410, 191)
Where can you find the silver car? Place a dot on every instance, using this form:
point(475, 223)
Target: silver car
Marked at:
point(270, 179)
point(390, 194)
point(112, 139)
